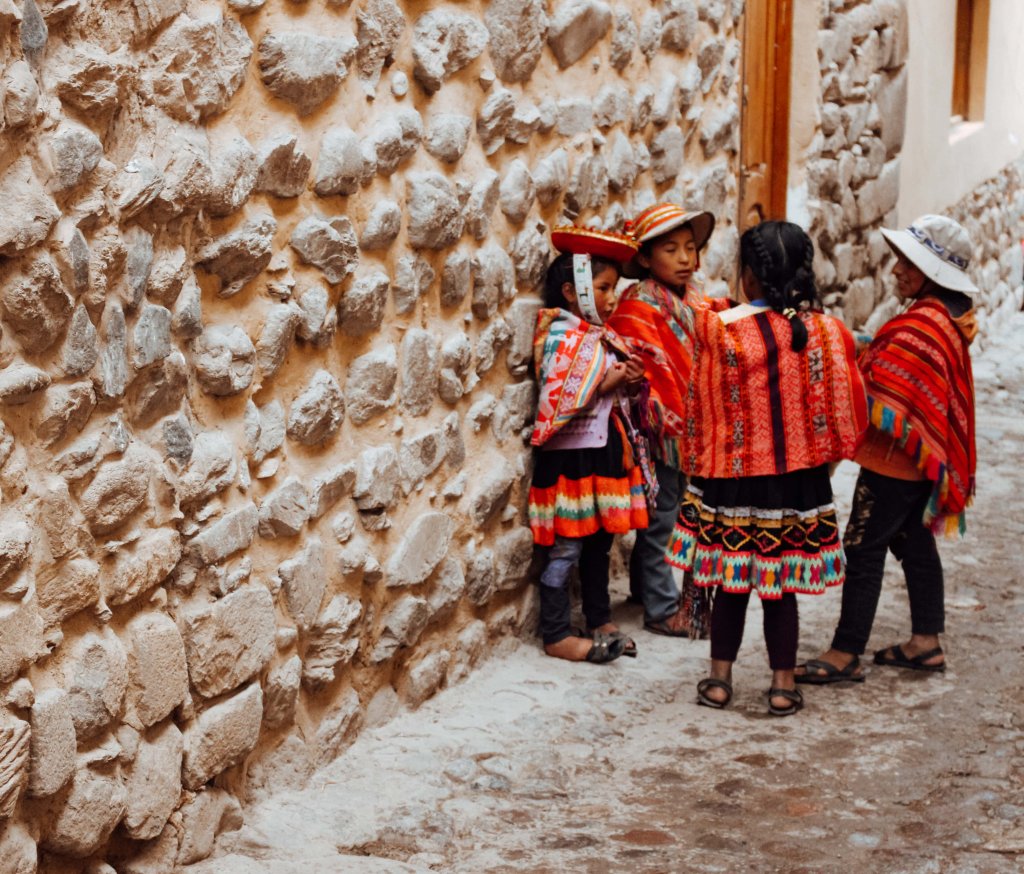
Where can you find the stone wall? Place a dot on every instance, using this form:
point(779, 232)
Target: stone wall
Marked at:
point(264, 368)
point(853, 165)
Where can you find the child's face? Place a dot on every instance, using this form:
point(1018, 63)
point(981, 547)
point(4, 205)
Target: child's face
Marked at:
point(673, 257)
point(604, 293)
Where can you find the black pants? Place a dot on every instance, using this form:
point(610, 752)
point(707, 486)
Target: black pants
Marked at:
point(781, 628)
point(592, 555)
point(887, 515)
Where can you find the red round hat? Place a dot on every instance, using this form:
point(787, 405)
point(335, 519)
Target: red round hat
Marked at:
point(592, 241)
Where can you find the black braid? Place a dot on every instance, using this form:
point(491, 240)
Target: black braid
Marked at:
point(560, 272)
point(781, 256)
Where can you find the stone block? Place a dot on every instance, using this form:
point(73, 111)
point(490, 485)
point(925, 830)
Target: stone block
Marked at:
point(138, 568)
point(53, 745)
point(426, 677)
point(434, 213)
point(30, 212)
point(344, 164)
point(333, 640)
point(443, 43)
point(448, 136)
point(316, 414)
point(304, 580)
point(891, 101)
point(418, 384)
point(517, 29)
point(338, 728)
point(234, 531)
point(877, 197)
point(64, 590)
point(203, 817)
point(234, 166)
point(522, 319)
point(413, 278)
point(551, 176)
point(224, 360)
point(513, 553)
point(117, 492)
point(211, 468)
point(382, 225)
point(157, 669)
point(402, 626)
point(494, 120)
point(99, 679)
point(304, 69)
point(395, 138)
point(576, 28)
point(481, 576)
point(679, 21)
point(35, 304)
point(18, 848)
point(283, 166)
point(420, 551)
point(624, 39)
point(516, 192)
point(230, 641)
point(281, 694)
point(492, 492)
point(327, 488)
point(86, 814)
point(377, 478)
point(285, 510)
point(370, 384)
point(153, 782)
point(328, 244)
point(361, 308)
point(221, 736)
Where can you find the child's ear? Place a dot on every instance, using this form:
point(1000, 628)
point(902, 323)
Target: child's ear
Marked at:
point(643, 260)
point(569, 292)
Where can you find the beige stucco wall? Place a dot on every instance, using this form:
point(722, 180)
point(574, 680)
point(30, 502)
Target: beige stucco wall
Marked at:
point(945, 162)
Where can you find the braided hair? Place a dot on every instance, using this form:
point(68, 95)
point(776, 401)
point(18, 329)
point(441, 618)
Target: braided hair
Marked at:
point(781, 257)
point(560, 272)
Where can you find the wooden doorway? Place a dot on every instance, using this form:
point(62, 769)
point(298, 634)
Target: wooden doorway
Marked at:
point(764, 144)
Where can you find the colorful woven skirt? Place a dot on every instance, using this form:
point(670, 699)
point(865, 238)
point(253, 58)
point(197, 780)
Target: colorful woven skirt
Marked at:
point(772, 534)
point(576, 492)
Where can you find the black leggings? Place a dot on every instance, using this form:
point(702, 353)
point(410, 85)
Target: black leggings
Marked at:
point(781, 628)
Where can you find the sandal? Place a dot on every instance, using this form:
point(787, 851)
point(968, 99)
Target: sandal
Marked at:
point(793, 696)
point(832, 673)
point(628, 647)
point(605, 649)
point(672, 626)
point(712, 683)
point(894, 657)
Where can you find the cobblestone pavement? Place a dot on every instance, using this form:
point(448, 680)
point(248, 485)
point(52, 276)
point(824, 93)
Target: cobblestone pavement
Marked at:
point(536, 765)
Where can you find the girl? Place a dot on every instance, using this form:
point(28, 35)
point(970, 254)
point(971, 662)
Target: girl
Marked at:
point(918, 461)
point(656, 315)
point(775, 397)
point(587, 484)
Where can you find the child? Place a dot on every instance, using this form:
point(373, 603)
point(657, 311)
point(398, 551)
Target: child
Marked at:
point(655, 314)
point(587, 485)
point(775, 398)
point(918, 460)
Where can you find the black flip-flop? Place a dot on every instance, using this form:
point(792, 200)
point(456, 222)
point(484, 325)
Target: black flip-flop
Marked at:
point(605, 649)
point(711, 683)
point(832, 673)
point(793, 696)
point(899, 659)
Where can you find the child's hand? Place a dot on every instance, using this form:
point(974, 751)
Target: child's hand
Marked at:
point(634, 371)
point(614, 378)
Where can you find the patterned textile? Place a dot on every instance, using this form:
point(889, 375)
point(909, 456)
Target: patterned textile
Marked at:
point(756, 407)
point(768, 534)
point(659, 325)
point(921, 392)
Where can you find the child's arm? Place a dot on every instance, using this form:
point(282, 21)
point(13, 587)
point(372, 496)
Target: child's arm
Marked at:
point(613, 378)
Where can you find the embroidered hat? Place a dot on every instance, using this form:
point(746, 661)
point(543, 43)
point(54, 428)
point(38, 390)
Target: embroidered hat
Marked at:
point(664, 217)
point(937, 246)
point(592, 241)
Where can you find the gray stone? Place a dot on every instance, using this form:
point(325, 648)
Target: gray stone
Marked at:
point(531, 255)
point(86, 815)
point(304, 581)
point(576, 28)
point(492, 492)
point(370, 384)
point(611, 106)
point(276, 337)
point(382, 225)
point(394, 139)
point(443, 43)
point(21, 97)
point(495, 337)
point(18, 848)
point(188, 311)
point(377, 477)
point(435, 217)
point(150, 14)
point(229, 641)
point(425, 677)
point(524, 122)
point(204, 817)
point(35, 305)
point(720, 131)
point(319, 319)
point(338, 729)
point(516, 192)
point(21, 629)
point(284, 167)
point(52, 752)
point(281, 694)
point(493, 280)
point(892, 109)
point(483, 197)
point(285, 510)
point(240, 256)
point(304, 69)
point(624, 39)
point(419, 457)
point(494, 118)
point(413, 278)
point(622, 169)
point(456, 278)
point(481, 576)
point(33, 31)
point(551, 176)
point(517, 29)
point(67, 408)
point(224, 360)
point(76, 151)
point(522, 320)
point(14, 762)
point(513, 552)
point(98, 682)
point(667, 154)
point(137, 186)
point(234, 167)
point(679, 24)
point(138, 261)
point(210, 470)
point(344, 164)
point(361, 308)
point(449, 586)
point(379, 26)
point(327, 488)
point(402, 626)
point(15, 544)
point(118, 491)
point(154, 782)
point(327, 243)
point(196, 65)
point(643, 103)
point(234, 531)
point(448, 136)
point(221, 736)
point(20, 382)
point(167, 276)
point(316, 414)
point(664, 105)
point(151, 338)
point(188, 178)
point(419, 372)
point(575, 116)
point(420, 550)
point(877, 197)
point(709, 59)
point(141, 567)
point(588, 186)
point(157, 669)
point(331, 641)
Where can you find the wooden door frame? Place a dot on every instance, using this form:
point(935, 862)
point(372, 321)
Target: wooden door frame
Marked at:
point(765, 109)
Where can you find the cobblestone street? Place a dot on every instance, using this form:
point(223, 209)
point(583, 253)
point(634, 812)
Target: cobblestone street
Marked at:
point(534, 764)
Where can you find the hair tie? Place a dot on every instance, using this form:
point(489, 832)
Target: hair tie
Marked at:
point(790, 313)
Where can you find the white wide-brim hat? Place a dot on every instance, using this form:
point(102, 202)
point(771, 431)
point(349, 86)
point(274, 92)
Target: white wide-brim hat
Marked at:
point(939, 247)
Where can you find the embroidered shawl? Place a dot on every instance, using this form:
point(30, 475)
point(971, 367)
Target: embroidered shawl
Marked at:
point(756, 407)
point(571, 357)
point(921, 392)
point(659, 325)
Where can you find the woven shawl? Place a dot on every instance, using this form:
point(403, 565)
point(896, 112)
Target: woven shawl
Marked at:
point(921, 392)
point(758, 408)
point(570, 357)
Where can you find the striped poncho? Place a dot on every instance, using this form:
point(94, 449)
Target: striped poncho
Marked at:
point(921, 392)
